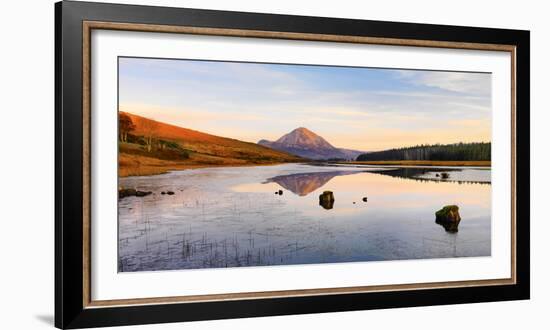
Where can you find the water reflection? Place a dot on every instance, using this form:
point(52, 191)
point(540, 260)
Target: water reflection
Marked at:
point(439, 174)
point(230, 217)
point(451, 227)
point(302, 184)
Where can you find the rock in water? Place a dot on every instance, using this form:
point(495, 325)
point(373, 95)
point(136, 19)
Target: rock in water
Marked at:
point(126, 192)
point(170, 192)
point(326, 200)
point(365, 199)
point(448, 213)
point(448, 217)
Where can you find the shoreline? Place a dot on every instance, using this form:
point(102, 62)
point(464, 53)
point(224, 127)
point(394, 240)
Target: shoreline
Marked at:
point(434, 163)
point(157, 169)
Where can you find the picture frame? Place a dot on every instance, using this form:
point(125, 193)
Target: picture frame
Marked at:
point(74, 304)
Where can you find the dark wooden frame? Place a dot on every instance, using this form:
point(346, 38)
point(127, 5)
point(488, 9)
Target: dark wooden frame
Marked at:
point(74, 21)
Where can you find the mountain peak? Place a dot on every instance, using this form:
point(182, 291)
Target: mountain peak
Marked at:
point(302, 137)
point(307, 144)
point(305, 131)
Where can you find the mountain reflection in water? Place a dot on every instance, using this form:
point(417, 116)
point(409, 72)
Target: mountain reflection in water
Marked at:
point(302, 184)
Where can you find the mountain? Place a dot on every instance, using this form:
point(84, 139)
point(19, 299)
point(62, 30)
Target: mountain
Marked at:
point(155, 147)
point(351, 154)
point(304, 143)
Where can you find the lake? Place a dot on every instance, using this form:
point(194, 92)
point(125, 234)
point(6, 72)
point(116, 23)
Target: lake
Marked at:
point(271, 215)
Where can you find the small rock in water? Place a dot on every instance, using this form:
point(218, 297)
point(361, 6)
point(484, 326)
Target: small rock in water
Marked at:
point(280, 192)
point(126, 192)
point(365, 199)
point(353, 202)
point(170, 192)
point(132, 192)
point(326, 200)
point(437, 175)
point(163, 193)
point(445, 175)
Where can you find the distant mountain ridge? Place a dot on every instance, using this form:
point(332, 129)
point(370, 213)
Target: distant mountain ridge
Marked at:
point(304, 143)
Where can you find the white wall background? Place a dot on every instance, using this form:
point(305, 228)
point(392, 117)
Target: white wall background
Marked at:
point(27, 168)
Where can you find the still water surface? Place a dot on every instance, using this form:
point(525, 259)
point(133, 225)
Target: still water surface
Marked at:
point(235, 216)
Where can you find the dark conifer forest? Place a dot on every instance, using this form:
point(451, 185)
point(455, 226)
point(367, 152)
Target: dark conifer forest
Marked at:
point(456, 151)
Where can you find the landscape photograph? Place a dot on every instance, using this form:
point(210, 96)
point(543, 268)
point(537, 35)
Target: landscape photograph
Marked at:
point(240, 164)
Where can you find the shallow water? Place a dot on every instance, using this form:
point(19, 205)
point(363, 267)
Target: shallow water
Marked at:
point(234, 216)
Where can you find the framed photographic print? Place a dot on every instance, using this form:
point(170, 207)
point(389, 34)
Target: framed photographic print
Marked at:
point(215, 164)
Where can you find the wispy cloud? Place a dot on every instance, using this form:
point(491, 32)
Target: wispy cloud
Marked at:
point(459, 82)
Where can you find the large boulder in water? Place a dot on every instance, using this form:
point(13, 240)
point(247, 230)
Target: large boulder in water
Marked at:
point(448, 213)
point(448, 217)
point(326, 200)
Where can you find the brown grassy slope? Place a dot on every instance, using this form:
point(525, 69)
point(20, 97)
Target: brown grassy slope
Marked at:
point(210, 144)
point(205, 150)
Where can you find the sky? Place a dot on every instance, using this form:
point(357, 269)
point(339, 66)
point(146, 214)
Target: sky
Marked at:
point(366, 109)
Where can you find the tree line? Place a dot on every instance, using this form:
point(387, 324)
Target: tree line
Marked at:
point(149, 141)
point(455, 151)
point(149, 128)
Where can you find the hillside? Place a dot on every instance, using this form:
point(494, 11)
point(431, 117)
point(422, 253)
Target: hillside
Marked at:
point(152, 147)
point(305, 143)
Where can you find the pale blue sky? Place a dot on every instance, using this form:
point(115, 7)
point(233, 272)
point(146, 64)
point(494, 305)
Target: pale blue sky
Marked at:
point(358, 108)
